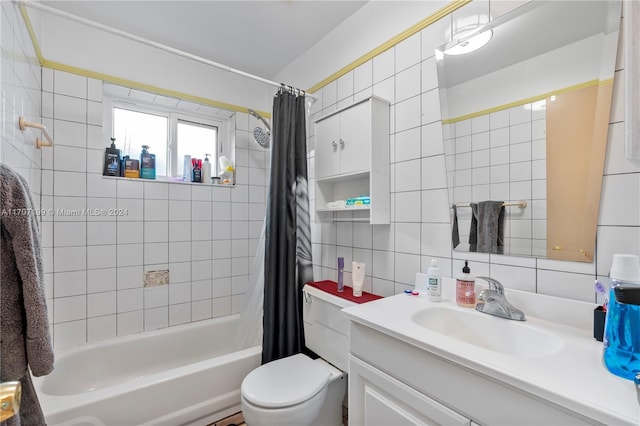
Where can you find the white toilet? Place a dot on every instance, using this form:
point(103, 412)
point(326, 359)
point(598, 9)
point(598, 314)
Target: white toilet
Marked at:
point(298, 390)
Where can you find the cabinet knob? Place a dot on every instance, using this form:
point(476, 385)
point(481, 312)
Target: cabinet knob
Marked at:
point(341, 144)
point(334, 145)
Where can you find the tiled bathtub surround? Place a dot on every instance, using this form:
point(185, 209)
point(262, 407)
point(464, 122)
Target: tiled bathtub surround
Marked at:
point(206, 236)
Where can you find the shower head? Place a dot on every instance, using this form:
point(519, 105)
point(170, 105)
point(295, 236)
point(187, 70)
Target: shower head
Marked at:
point(261, 136)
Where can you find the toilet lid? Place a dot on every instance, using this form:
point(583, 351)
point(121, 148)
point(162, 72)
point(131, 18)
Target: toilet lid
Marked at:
point(285, 382)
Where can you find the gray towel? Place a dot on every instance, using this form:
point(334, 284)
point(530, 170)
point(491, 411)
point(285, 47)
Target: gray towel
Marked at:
point(487, 227)
point(24, 327)
point(455, 233)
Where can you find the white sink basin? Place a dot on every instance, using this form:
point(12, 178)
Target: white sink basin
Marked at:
point(489, 332)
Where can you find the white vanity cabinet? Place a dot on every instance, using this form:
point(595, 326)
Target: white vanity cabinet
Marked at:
point(394, 382)
point(352, 159)
point(375, 398)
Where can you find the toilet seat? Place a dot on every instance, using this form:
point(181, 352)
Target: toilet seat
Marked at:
point(285, 382)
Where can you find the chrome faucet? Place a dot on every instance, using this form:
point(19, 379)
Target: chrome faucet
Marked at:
point(494, 302)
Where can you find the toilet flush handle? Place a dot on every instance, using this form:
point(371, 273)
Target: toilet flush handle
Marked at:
point(307, 297)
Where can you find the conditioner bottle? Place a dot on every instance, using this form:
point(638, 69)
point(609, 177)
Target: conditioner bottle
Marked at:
point(466, 288)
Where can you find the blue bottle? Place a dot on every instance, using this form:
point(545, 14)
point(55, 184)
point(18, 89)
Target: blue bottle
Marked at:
point(621, 339)
point(147, 164)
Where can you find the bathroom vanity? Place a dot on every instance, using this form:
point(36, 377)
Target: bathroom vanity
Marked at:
point(412, 361)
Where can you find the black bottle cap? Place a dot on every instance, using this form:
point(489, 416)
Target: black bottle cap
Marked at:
point(465, 268)
point(629, 295)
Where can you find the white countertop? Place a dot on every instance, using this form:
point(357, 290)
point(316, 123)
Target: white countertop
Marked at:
point(573, 377)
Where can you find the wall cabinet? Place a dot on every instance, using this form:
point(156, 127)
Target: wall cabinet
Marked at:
point(352, 159)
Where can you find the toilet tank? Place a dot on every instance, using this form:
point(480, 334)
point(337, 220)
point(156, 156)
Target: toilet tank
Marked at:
point(326, 330)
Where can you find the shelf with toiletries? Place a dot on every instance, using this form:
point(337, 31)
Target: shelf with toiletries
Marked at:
point(195, 170)
point(352, 162)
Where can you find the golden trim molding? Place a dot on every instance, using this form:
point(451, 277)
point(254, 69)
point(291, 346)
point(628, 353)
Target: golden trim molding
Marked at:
point(448, 9)
point(528, 100)
point(45, 63)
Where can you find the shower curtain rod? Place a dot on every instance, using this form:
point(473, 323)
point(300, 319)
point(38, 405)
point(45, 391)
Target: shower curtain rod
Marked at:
point(53, 11)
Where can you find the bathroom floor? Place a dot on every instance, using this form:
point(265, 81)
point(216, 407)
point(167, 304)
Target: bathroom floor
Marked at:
point(233, 420)
point(238, 420)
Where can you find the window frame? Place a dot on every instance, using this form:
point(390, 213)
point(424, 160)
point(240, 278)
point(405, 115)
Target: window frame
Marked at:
point(173, 115)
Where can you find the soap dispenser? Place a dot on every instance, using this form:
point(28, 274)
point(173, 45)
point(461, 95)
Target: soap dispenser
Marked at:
point(466, 288)
point(147, 164)
point(112, 160)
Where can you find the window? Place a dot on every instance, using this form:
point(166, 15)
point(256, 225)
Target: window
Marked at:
point(171, 133)
point(132, 129)
point(196, 140)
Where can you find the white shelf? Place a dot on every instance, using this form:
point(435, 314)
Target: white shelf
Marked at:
point(346, 209)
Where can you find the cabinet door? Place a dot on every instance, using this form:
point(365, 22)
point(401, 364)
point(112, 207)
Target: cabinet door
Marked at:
point(376, 398)
point(326, 146)
point(355, 139)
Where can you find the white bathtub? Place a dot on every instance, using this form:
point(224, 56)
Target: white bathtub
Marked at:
point(182, 375)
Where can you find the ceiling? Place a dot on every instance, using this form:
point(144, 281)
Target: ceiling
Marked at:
point(258, 37)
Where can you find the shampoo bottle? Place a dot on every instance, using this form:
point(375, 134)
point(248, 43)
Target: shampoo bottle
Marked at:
point(206, 170)
point(147, 164)
point(112, 160)
point(466, 288)
point(196, 174)
point(434, 282)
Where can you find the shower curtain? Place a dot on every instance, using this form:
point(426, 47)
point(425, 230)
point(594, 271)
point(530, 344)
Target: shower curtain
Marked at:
point(288, 263)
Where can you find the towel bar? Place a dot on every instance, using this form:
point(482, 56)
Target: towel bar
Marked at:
point(521, 204)
point(23, 124)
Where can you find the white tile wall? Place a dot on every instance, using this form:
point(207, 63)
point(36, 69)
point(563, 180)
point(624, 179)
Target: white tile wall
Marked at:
point(71, 107)
point(420, 228)
point(491, 157)
point(96, 263)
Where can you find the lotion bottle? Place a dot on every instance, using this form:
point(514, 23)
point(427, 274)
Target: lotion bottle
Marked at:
point(206, 170)
point(466, 288)
point(357, 274)
point(434, 287)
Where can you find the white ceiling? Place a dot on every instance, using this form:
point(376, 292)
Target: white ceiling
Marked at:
point(258, 37)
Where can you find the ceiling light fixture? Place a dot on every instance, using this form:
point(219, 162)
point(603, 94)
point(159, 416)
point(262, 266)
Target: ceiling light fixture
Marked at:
point(470, 44)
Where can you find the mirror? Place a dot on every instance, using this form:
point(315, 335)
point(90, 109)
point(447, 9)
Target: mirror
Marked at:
point(525, 121)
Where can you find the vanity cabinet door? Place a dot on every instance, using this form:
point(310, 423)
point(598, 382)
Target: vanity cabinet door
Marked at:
point(376, 398)
point(355, 139)
point(327, 148)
